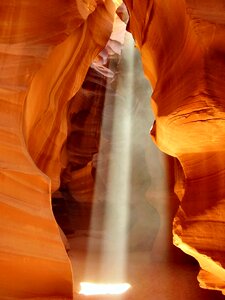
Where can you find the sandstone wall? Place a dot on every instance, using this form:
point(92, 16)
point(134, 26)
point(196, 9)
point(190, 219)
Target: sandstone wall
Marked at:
point(183, 48)
point(45, 51)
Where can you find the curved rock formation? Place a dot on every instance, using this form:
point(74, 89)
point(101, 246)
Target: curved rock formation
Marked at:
point(46, 49)
point(183, 49)
point(85, 115)
point(45, 52)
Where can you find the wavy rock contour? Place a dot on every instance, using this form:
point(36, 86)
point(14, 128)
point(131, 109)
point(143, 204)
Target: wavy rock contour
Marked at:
point(183, 48)
point(45, 52)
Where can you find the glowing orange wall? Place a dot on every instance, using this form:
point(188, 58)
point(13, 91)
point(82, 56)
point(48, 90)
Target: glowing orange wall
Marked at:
point(45, 51)
point(183, 48)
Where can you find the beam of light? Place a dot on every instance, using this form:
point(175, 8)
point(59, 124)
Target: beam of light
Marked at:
point(88, 288)
point(116, 132)
point(118, 185)
point(117, 2)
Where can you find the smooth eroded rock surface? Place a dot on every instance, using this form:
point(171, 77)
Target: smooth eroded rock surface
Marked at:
point(182, 46)
point(45, 52)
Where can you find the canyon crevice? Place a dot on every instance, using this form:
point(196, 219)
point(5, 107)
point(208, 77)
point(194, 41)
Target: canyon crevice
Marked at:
point(46, 51)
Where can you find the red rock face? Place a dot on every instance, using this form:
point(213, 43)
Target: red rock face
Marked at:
point(84, 117)
point(85, 114)
point(46, 50)
point(183, 48)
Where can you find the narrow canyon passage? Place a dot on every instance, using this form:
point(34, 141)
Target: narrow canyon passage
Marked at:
point(122, 231)
point(84, 193)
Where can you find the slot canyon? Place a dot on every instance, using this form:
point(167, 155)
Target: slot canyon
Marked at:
point(112, 160)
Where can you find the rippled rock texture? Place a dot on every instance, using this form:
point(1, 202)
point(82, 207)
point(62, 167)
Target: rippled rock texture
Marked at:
point(86, 111)
point(183, 48)
point(45, 52)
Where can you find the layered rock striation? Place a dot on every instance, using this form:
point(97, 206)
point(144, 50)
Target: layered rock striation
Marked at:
point(45, 52)
point(183, 49)
point(86, 112)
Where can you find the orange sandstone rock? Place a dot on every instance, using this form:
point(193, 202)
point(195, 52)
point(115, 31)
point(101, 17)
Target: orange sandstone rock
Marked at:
point(183, 48)
point(84, 117)
point(56, 83)
point(85, 114)
point(45, 52)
